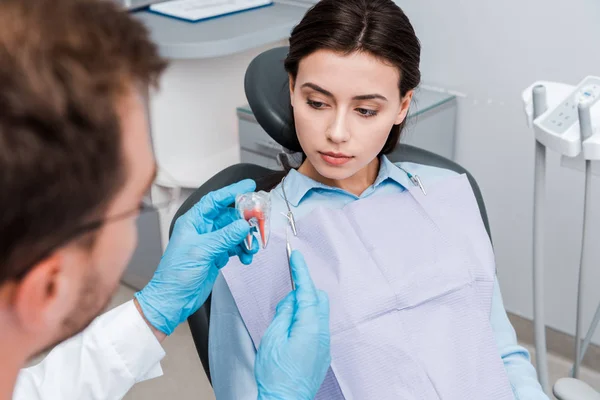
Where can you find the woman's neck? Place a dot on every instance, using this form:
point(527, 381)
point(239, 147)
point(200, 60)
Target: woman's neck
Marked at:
point(356, 184)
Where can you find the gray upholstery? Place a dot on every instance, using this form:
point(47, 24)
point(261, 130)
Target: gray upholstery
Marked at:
point(266, 86)
point(268, 93)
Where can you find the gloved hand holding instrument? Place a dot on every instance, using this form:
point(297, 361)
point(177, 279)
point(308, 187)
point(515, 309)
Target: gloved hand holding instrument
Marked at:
point(294, 354)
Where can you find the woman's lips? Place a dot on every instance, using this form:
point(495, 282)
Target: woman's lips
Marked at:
point(335, 158)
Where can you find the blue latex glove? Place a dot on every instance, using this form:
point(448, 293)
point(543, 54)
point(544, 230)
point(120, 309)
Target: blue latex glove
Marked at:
point(294, 353)
point(203, 239)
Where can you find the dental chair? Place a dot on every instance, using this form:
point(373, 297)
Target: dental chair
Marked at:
point(267, 90)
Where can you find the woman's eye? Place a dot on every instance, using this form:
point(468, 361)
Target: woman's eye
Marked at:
point(366, 112)
point(315, 104)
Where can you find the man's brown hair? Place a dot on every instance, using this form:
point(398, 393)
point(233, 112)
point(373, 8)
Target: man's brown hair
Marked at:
point(64, 65)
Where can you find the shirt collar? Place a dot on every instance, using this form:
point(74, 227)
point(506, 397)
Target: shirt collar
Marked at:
point(298, 185)
point(390, 171)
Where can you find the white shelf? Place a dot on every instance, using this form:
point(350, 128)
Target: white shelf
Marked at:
point(222, 36)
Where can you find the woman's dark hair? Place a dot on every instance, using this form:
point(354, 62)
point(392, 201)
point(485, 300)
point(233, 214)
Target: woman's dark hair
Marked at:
point(376, 27)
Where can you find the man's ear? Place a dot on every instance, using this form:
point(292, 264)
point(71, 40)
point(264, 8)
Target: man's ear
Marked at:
point(404, 106)
point(42, 299)
point(292, 84)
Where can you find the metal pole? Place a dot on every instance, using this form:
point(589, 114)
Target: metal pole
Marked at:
point(539, 107)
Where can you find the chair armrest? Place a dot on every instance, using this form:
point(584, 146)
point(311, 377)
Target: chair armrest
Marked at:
point(574, 389)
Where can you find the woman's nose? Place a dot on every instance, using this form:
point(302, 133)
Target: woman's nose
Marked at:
point(338, 130)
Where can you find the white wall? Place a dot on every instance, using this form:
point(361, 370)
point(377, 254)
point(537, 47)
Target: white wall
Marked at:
point(491, 51)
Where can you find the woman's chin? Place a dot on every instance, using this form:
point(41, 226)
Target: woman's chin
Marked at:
point(322, 171)
point(336, 173)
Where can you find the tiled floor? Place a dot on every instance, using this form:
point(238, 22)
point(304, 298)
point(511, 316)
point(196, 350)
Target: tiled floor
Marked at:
point(184, 378)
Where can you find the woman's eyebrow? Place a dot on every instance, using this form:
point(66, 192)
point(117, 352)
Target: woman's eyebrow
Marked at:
point(369, 97)
point(329, 94)
point(317, 88)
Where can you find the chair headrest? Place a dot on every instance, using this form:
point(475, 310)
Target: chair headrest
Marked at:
point(267, 89)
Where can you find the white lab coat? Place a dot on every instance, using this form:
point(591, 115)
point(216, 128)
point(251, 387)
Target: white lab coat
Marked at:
point(103, 362)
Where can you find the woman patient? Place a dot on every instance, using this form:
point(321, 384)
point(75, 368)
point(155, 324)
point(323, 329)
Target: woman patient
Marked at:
point(443, 331)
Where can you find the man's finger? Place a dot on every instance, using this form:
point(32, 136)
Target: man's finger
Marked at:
point(324, 310)
point(323, 302)
point(221, 260)
point(245, 259)
point(307, 320)
point(225, 217)
point(246, 256)
point(243, 250)
point(210, 205)
point(287, 304)
point(226, 239)
point(282, 321)
point(306, 293)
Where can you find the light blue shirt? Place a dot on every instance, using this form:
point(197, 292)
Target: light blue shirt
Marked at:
point(231, 350)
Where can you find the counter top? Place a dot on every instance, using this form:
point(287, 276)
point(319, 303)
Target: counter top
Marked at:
point(222, 36)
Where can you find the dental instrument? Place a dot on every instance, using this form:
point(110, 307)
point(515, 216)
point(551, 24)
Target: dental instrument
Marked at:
point(288, 250)
point(292, 222)
point(562, 117)
point(290, 214)
point(415, 180)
